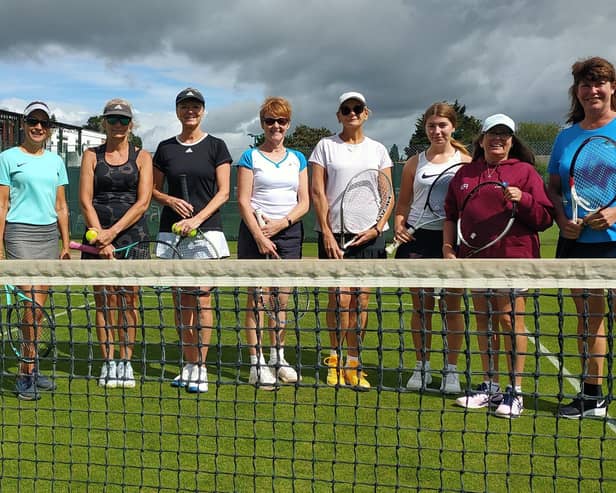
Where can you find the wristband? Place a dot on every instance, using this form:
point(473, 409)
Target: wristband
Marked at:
point(376, 228)
point(289, 222)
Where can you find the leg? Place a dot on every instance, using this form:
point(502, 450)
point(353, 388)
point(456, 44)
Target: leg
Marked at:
point(339, 300)
point(421, 332)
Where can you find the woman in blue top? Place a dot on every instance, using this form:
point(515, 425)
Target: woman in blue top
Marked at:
point(273, 180)
point(593, 112)
point(32, 210)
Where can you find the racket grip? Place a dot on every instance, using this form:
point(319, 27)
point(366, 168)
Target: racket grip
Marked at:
point(348, 243)
point(184, 187)
point(84, 248)
point(392, 247)
point(259, 216)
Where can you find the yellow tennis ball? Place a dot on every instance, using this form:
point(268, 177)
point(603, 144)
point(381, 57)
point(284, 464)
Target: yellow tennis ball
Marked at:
point(91, 235)
point(175, 229)
point(193, 233)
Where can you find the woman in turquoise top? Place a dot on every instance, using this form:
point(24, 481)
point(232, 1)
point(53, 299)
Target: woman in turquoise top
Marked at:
point(32, 210)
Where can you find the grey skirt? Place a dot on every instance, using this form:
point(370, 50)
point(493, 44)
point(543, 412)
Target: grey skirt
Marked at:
point(31, 241)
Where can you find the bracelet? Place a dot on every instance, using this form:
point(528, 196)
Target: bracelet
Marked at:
point(448, 245)
point(289, 221)
point(376, 228)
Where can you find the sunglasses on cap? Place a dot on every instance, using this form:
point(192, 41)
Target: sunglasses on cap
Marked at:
point(280, 121)
point(112, 120)
point(33, 122)
point(358, 109)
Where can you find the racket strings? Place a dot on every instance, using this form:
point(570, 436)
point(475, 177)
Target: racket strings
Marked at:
point(594, 173)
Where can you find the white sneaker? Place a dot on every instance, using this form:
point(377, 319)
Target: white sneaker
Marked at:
point(125, 375)
point(482, 397)
point(198, 379)
point(182, 379)
point(450, 383)
point(262, 377)
point(512, 405)
point(284, 371)
point(420, 378)
point(108, 376)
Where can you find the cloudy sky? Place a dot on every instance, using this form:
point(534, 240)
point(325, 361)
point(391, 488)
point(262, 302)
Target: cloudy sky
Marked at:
point(511, 56)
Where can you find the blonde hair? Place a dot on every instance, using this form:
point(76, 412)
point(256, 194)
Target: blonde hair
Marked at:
point(445, 110)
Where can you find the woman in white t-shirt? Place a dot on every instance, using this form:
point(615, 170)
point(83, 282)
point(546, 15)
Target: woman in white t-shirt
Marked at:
point(273, 181)
point(419, 172)
point(335, 160)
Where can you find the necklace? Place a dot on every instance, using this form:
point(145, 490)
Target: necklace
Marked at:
point(490, 171)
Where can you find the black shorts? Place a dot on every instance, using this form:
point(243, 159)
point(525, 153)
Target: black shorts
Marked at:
point(288, 243)
point(574, 249)
point(428, 243)
point(372, 249)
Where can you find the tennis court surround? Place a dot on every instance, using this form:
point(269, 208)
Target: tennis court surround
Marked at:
point(307, 436)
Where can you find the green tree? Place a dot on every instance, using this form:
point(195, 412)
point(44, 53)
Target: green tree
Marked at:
point(394, 154)
point(535, 132)
point(467, 129)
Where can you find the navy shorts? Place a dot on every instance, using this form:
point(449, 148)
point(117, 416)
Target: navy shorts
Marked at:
point(288, 243)
point(372, 249)
point(428, 244)
point(573, 249)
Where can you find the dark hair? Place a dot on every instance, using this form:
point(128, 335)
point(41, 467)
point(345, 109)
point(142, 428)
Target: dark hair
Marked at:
point(445, 110)
point(591, 69)
point(519, 150)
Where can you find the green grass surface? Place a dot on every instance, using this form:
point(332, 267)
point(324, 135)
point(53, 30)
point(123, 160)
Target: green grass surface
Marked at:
point(308, 437)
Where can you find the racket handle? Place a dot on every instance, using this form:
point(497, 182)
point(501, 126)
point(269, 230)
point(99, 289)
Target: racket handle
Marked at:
point(392, 247)
point(184, 186)
point(84, 248)
point(348, 243)
point(260, 219)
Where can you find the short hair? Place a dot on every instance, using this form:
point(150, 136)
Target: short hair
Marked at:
point(593, 69)
point(275, 106)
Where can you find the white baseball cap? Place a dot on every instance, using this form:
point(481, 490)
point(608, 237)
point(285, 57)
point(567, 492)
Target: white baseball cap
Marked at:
point(351, 95)
point(498, 119)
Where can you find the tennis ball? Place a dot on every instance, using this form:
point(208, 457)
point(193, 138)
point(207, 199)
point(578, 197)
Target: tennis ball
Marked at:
point(193, 233)
point(175, 229)
point(91, 235)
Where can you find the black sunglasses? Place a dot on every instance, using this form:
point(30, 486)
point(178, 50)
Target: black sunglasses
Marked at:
point(280, 121)
point(33, 122)
point(112, 120)
point(358, 109)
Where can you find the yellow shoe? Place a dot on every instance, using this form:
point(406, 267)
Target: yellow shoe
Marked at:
point(335, 375)
point(355, 377)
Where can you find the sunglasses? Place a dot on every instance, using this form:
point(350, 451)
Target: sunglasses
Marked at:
point(280, 121)
point(358, 109)
point(33, 122)
point(112, 120)
point(503, 134)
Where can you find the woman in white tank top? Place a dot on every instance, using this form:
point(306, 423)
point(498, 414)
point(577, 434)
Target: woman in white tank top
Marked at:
point(427, 242)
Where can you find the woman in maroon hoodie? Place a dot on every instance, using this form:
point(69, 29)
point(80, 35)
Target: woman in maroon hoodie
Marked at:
point(499, 155)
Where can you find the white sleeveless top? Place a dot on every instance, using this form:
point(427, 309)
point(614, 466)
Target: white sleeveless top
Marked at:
point(425, 174)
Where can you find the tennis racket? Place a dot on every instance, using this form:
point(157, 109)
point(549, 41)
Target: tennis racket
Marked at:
point(365, 200)
point(485, 216)
point(23, 312)
point(296, 301)
point(592, 176)
point(434, 208)
point(145, 249)
point(196, 245)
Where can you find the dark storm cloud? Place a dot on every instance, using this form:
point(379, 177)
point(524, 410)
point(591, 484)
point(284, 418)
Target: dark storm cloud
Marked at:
point(493, 56)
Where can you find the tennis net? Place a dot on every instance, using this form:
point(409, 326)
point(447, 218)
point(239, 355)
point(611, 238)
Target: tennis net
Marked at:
point(307, 435)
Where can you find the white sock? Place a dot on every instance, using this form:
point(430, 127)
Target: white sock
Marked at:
point(452, 368)
point(254, 359)
point(518, 389)
point(352, 359)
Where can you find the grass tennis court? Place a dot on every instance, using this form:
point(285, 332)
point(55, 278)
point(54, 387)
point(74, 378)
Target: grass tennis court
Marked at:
point(308, 437)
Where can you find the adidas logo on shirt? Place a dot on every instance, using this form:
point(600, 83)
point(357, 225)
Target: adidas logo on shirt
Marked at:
point(189, 150)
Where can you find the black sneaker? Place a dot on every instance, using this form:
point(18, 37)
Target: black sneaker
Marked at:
point(43, 383)
point(25, 388)
point(583, 406)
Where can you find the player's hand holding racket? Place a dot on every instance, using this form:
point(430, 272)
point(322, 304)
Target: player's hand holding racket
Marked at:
point(367, 198)
point(433, 210)
point(592, 179)
point(486, 215)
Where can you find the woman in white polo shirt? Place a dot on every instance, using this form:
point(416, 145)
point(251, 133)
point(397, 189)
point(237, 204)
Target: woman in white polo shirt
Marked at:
point(273, 180)
point(335, 160)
